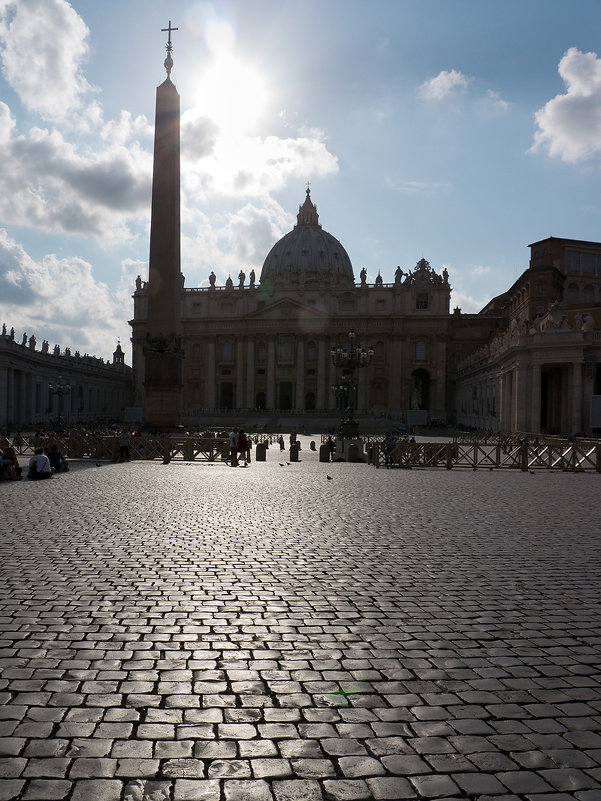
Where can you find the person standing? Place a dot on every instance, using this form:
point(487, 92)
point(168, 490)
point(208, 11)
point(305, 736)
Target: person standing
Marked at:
point(233, 440)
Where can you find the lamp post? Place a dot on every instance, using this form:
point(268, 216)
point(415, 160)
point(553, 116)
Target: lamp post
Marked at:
point(349, 359)
point(59, 389)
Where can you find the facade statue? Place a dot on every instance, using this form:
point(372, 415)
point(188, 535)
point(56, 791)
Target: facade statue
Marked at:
point(416, 395)
point(241, 279)
point(212, 279)
point(57, 350)
point(229, 284)
point(24, 340)
point(379, 281)
point(363, 276)
point(398, 275)
point(12, 332)
point(32, 342)
point(138, 282)
point(45, 346)
point(251, 278)
point(3, 329)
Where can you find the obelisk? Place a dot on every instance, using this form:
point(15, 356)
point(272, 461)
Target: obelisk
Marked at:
point(163, 350)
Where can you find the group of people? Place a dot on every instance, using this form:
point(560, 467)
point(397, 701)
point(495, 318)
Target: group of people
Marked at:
point(43, 464)
point(239, 445)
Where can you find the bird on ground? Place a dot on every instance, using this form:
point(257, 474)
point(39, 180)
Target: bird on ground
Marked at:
point(329, 477)
point(97, 464)
point(281, 465)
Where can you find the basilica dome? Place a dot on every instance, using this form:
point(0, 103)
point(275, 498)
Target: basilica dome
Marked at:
point(308, 256)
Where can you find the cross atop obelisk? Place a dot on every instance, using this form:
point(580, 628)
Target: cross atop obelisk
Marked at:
point(169, 48)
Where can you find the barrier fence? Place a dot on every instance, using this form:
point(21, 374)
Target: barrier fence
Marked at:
point(508, 455)
point(476, 455)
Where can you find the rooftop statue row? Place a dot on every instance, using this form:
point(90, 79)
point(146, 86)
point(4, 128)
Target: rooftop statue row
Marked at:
point(31, 343)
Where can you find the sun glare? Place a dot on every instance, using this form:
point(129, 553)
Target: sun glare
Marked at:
point(233, 94)
point(230, 91)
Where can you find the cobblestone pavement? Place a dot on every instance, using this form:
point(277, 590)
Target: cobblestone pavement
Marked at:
point(201, 633)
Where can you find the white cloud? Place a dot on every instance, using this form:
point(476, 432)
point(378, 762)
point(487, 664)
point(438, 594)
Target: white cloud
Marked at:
point(569, 125)
point(61, 300)
point(44, 43)
point(48, 183)
point(497, 101)
point(414, 187)
point(481, 270)
point(238, 239)
point(443, 84)
point(468, 303)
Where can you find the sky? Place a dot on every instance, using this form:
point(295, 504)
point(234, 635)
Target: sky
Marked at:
point(459, 131)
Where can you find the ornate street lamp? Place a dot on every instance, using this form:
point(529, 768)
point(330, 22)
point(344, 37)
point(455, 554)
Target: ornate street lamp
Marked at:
point(60, 389)
point(349, 359)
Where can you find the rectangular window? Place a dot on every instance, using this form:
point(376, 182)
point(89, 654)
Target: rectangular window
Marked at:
point(421, 300)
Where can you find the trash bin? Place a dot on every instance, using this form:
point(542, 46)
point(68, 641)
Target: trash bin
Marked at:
point(260, 451)
point(324, 452)
point(294, 449)
point(352, 452)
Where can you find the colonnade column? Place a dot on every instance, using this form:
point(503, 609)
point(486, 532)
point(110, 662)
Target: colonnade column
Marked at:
point(535, 398)
point(239, 373)
point(520, 398)
point(250, 372)
point(211, 389)
point(576, 399)
point(271, 373)
point(300, 373)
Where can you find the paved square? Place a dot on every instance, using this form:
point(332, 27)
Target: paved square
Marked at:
point(193, 632)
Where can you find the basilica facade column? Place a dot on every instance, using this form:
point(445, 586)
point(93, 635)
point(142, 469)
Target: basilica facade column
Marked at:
point(211, 387)
point(394, 372)
point(239, 402)
point(271, 378)
point(250, 372)
point(322, 373)
point(300, 373)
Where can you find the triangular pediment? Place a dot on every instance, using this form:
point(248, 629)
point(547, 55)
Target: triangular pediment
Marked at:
point(288, 309)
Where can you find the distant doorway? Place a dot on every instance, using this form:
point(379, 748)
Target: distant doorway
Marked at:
point(226, 395)
point(285, 396)
point(260, 401)
point(310, 401)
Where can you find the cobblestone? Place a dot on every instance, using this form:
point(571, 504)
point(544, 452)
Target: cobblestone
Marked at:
point(195, 633)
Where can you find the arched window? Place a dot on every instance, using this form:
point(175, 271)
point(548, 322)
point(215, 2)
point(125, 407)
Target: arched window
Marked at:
point(573, 293)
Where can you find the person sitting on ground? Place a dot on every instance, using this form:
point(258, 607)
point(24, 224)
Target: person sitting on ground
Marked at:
point(7, 472)
point(10, 455)
point(39, 465)
point(57, 460)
